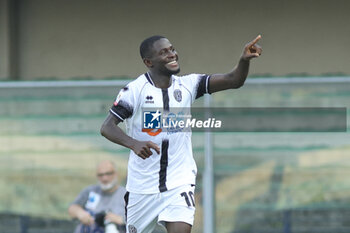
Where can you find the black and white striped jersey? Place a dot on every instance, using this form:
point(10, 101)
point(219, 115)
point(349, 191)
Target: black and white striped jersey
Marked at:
point(175, 165)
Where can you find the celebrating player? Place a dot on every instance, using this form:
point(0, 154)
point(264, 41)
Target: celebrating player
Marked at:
point(161, 169)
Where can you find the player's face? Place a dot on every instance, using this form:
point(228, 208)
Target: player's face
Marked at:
point(165, 58)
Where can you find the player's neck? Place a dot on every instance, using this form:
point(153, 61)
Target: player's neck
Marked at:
point(160, 80)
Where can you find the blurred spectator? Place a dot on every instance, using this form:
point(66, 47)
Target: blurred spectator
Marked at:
point(100, 207)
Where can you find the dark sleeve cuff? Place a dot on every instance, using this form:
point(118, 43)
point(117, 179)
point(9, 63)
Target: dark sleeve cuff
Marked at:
point(122, 110)
point(203, 86)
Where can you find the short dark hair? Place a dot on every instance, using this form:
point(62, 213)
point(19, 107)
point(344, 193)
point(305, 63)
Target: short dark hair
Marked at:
point(147, 44)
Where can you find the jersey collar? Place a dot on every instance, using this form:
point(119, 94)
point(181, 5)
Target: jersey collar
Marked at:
point(148, 76)
point(149, 79)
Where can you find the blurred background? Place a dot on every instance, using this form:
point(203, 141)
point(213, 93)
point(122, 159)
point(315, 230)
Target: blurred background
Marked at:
point(62, 62)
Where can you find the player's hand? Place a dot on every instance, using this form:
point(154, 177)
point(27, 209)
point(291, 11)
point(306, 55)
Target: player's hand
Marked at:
point(143, 148)
point(252, 49)
point(114, 218)
point(85, 218)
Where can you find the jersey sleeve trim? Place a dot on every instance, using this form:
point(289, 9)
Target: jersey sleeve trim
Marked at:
point(122, 110)
point(203, 86)
point(116, 114)
point(207, 84)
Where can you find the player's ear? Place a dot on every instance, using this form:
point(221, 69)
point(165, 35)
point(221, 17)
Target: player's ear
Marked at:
point(148, 62)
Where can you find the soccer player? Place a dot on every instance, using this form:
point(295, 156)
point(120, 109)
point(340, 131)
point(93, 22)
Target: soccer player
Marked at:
point(161, 169)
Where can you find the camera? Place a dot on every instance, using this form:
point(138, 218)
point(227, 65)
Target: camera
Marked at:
point(107, 225)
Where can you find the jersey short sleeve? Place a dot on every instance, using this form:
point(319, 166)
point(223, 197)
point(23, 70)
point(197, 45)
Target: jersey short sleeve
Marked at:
point(197, 84)
point(124, 104)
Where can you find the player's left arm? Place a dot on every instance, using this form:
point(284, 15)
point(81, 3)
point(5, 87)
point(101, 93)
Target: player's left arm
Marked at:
point(237, 77)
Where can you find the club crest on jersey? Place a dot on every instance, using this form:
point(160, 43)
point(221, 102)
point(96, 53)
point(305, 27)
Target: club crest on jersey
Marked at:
point(178, 95)
point(152, 122)
point(149, 99)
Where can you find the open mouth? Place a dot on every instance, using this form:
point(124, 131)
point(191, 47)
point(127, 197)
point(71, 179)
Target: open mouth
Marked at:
point(172, 64)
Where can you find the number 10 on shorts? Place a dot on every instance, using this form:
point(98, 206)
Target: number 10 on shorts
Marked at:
point(188, 197)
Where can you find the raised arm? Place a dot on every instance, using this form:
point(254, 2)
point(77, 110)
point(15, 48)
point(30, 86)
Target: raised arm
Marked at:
point(114, 133)
point(238, 75)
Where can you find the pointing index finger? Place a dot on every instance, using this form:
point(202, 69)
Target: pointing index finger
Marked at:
point(255, 40)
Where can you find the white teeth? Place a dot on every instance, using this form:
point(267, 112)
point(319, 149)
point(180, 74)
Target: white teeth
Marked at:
point(172, 62)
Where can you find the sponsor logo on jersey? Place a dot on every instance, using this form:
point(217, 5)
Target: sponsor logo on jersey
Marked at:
point(149, 99)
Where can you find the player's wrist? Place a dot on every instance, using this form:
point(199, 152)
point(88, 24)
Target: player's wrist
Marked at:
point(133, 144)
point(244, 59)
